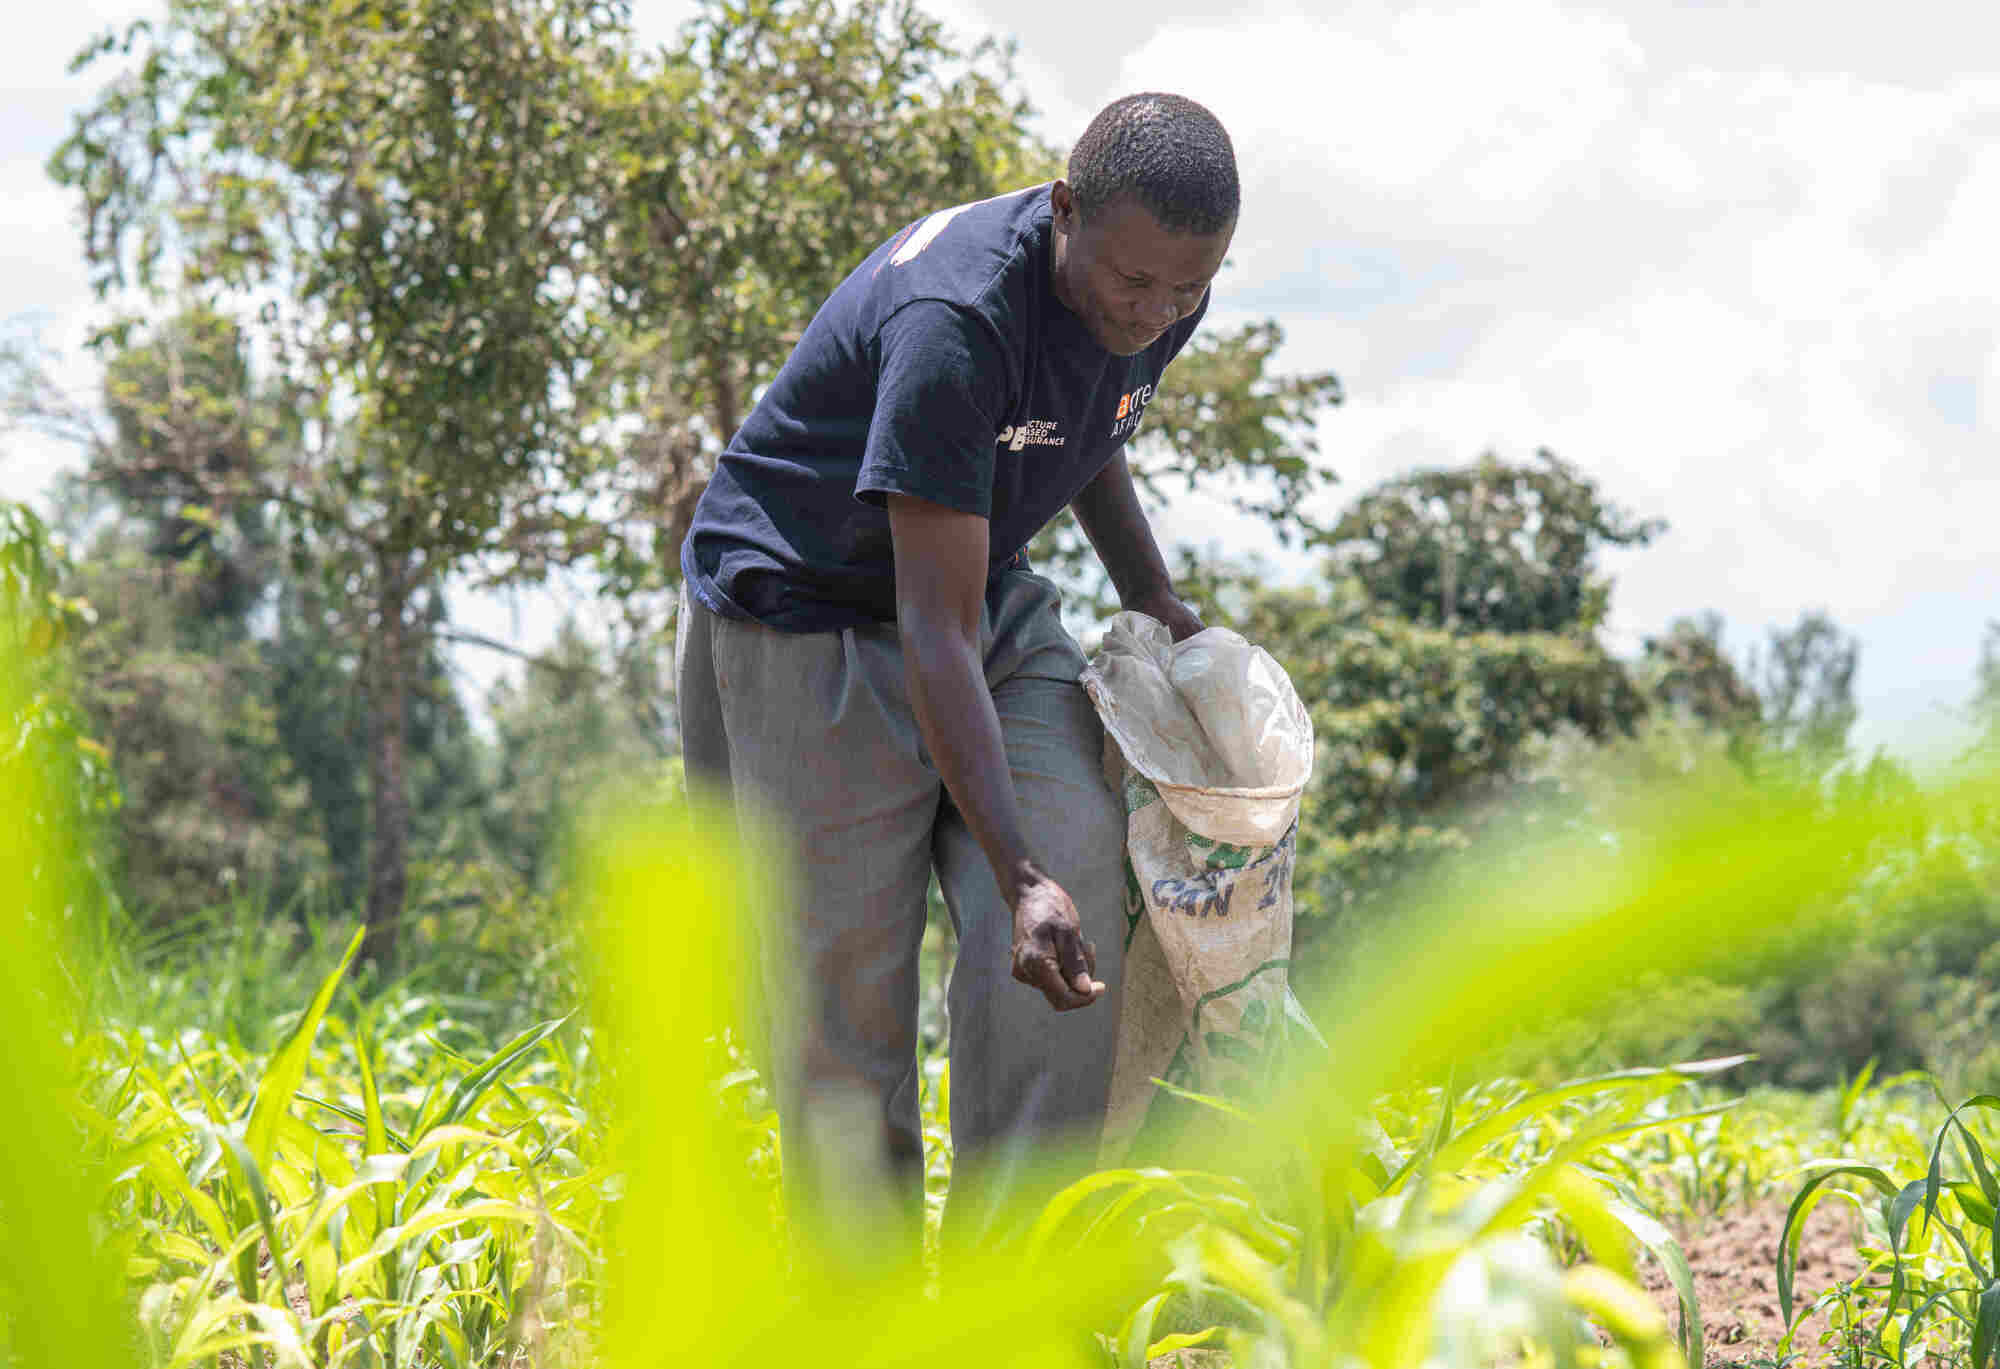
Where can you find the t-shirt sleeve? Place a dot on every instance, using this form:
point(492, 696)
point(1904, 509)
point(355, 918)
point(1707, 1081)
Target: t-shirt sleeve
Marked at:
point(941, 389)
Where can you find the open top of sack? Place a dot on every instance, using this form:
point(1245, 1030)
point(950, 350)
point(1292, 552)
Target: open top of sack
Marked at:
point(1212, 721)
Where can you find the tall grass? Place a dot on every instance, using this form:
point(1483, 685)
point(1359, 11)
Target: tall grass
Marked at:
point(371, 1187)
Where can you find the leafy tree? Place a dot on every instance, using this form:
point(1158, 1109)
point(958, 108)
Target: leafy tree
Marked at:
point(1805, 677)
point(1686, 670)
point(222, 674)
point(214, 805)
point(1985, 704)
point(798, 134)
point(562, 732)
point(39, 624)
point(478, 250)
point(1489, 547)
point(1457, 636)
point(810, 132)
point(422, 185)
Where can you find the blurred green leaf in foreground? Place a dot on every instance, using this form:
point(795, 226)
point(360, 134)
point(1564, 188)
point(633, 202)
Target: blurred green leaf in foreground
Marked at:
point(59, 1301)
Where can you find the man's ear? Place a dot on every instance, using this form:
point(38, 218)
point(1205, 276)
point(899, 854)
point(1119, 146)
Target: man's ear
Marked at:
point(1062, 206)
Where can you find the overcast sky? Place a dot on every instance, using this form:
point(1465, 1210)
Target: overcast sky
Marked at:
point(1734, 260)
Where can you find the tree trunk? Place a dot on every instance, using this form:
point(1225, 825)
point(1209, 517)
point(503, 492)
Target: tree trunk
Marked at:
point(727, 420)
point(389, 806)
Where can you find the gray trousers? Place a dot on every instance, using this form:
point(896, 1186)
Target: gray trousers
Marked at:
point(817, 730)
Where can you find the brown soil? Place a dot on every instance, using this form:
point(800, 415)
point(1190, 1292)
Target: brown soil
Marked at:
point(1733, 1256)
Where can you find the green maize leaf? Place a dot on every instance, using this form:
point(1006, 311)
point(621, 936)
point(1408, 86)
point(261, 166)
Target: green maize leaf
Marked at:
point(441, 1138)
point(1934, 1185)
point(1850, 1094)
point(1235, 1267)
point(313, 1251)
point(1394, 1322)
point(177, 1246)
point(1114, 1212)
point(1221, 1105)
point(1059, 1209)
point(1626, 1312)
point(1802, 1206)
point(1655, 1237)
point(1986, 1328)
point(258, 1202)
point(206, 1315)
point(1977, 1156)
point(1182, 1340)
point(474, 1086)
point(122, 1091)
point(458, 1252)
point(168, 1180)
point(1973, 1153)
point(1973, 1202)
point(426, 1105)
point(359, 1116)
point(1914, 1322)
point(1896, 1217)
point(1221, 1200)
point(1901, 1207)
point(442, 1049)
point(375, 1128)
point(211, 1352)
point(209, 1156)
point(1505, 1204)
point(1544, 1101)
point(489, 1210)
point(422, 1189)
point(287, 1182)
point(1136, 1335)
point(287, 1068)
point(190, 1069)
point(282, 1335)
point(1576, 1147)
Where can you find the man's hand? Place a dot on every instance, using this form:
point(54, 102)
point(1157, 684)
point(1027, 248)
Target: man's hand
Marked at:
point(1108, 508)
point(1181, 619)
point(1050, 953)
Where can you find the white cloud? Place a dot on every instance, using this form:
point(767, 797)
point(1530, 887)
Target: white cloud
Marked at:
point(1733, 260)
point(1754, 300)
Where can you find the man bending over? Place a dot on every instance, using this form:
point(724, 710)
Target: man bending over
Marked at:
point(864, 653)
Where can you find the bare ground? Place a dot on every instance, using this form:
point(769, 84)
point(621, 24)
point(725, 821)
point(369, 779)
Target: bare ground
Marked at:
point(1734, 1258)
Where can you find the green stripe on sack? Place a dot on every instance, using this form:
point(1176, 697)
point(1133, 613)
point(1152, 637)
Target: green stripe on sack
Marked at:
point(1282, 963)
point(1139, 791)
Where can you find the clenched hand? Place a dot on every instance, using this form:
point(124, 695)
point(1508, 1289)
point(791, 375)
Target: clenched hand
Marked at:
point(1050, 953)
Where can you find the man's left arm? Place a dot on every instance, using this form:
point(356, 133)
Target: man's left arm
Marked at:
point(1117, 528)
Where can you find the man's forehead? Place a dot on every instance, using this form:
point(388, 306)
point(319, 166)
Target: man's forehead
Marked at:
point(1131, 234)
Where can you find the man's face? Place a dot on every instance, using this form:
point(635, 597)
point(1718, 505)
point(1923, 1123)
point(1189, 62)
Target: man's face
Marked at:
point(1124, 275)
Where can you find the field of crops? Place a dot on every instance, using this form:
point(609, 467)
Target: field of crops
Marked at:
point(230, 1156)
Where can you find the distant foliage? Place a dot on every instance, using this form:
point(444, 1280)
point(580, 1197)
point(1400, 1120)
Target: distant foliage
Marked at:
point(39, 623)
point(1805, 676)
point(1687, 672)
point(1457, 632)
point(1493, 547)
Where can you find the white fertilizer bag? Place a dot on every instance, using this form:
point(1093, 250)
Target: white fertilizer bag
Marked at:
point(1210, 746)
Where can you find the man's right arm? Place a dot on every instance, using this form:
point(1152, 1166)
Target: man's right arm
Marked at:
point(941, 559)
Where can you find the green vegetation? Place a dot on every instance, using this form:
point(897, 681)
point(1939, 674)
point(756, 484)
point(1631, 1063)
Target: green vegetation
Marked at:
point(349, 1023)
point(372, 1180)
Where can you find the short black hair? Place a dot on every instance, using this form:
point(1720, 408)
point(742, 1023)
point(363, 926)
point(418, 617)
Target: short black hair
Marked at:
point(1165, 151)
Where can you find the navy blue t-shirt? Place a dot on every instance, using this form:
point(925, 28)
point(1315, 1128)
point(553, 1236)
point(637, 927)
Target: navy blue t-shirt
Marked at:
point(944, 367)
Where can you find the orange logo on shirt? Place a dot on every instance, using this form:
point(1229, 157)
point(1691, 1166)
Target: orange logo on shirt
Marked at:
point(1130, 407)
